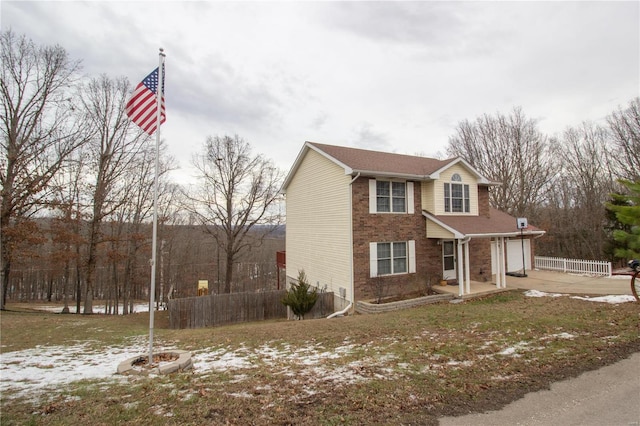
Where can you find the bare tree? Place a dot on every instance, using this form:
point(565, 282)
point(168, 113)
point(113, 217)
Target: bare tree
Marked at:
point(137, 208)
point(237, 193)
point(66, 228)
point(574, 213)
point(511, 150)
point(112, 152)
point(625, 131)
point(38, 130)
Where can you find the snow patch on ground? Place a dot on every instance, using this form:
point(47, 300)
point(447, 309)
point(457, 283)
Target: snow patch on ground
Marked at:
point(537, 293)
point(563, 335)
point(613, 299)
point(515, 350)
point(43, 368)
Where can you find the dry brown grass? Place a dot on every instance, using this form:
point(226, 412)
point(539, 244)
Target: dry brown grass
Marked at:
point(406, 367)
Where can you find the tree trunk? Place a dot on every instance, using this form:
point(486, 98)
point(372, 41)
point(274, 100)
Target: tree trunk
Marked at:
point(228, 276)
point(91, 269)
point(6, 269)
point(65, 285)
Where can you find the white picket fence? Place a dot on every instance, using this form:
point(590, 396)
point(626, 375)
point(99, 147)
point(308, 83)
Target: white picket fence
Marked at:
point(574, 266)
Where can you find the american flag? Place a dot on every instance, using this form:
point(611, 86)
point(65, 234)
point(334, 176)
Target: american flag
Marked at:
point(142, 108)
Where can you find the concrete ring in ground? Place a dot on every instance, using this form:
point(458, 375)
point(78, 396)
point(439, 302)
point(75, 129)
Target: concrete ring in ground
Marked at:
point(181, 364)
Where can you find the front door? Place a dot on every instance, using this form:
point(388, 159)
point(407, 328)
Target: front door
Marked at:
point(449, 259)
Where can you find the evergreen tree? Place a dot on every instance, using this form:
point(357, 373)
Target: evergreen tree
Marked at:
point(611, 225)
point(627, 210)
point(300, 297)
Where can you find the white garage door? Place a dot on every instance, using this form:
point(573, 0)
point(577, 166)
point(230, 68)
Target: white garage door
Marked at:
point(514, 255)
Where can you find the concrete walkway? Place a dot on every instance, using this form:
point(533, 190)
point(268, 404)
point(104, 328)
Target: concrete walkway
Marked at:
point(551, 282)
point(558, 282)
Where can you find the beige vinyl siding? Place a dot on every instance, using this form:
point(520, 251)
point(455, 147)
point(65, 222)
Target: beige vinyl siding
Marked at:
point(436, 231)
point(427, 196)
point(467, 178)
point(318, 223)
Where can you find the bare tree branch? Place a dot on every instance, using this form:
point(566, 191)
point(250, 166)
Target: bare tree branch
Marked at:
point(625, 129)
point(237, 194)
point(38, 129)
point(511, 150)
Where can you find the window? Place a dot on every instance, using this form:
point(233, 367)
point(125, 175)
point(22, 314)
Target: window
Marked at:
point(456, 196)
point(390, 196)
point(392, 258)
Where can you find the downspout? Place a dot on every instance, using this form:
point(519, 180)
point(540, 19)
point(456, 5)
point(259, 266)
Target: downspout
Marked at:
point(352, 291)
point(340, 313)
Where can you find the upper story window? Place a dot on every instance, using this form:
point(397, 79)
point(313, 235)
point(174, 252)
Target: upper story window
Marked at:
point(391, 196)
point(388, 196)
point(456, 195)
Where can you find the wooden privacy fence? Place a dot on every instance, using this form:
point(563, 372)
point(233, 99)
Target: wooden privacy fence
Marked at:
point(575, 266)
point(221, 309)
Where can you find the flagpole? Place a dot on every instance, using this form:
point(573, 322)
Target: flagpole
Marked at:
point(154, 239)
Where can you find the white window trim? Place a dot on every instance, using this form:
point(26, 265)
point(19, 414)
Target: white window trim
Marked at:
point(466, 202)
point(411, 259)
point(409, 199)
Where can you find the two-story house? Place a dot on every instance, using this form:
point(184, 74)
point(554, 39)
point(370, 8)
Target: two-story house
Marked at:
point(358, 218)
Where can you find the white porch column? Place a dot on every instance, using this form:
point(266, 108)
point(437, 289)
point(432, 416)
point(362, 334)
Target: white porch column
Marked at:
point(503, 266)
point(461, 263)
point(467, 267)
point(498, 268)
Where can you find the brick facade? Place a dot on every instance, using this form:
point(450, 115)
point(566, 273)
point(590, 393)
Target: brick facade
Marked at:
point(390, 227)
point(483, 201)
point(480, 259)
point(385, 227)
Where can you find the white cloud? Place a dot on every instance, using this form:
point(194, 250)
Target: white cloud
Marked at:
point(396, 76)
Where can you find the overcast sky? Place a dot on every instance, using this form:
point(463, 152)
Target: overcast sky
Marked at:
point(390, 76)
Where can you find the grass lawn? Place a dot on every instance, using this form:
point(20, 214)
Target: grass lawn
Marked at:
point(403, 367)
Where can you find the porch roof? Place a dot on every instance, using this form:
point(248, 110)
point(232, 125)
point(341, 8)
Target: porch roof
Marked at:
point(497, 224)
